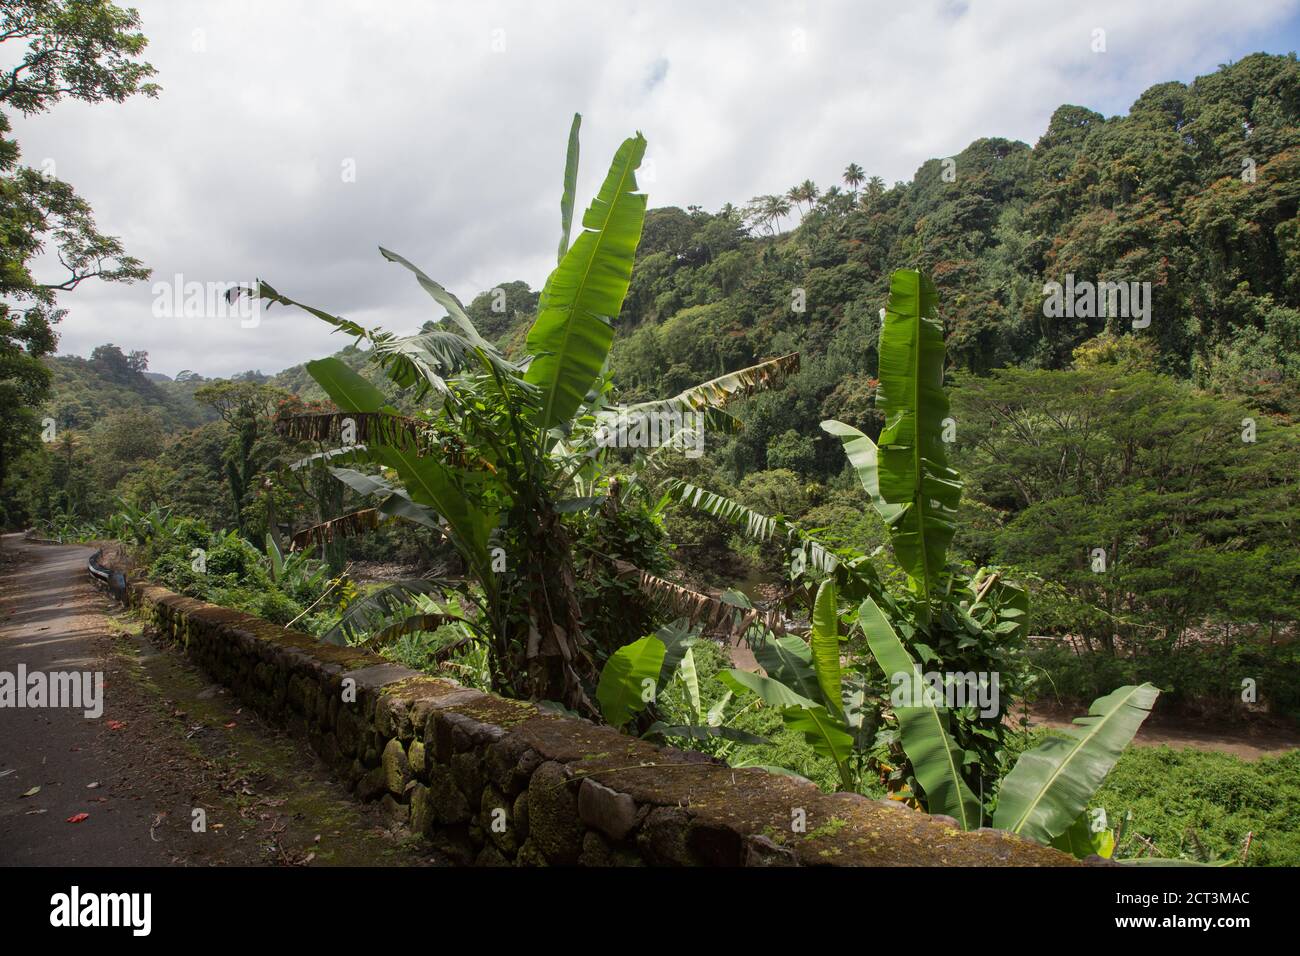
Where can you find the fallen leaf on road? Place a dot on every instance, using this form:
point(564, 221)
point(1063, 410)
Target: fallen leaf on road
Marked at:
point(78, 817)
point(116, 724)
point(92, 786)
point(231, 724)
point(30, 793)
point(42, 810)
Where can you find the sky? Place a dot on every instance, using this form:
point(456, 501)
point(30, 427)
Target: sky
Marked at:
point(291, 139)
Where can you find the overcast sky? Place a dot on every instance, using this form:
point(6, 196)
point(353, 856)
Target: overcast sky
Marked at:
point(454, 117)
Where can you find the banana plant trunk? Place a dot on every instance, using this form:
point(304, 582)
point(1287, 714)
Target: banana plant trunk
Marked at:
point(558, 664)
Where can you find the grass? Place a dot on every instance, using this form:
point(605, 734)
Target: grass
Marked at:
point(1182, 798)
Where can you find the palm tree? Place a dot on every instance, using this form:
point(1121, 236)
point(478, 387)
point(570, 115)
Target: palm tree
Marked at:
point(805, 192)
point(854, 177)
point(777, 208)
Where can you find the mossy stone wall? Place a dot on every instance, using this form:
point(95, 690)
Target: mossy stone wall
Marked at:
point(496, 782)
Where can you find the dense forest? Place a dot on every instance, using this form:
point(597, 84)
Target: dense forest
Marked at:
point(1120, 307)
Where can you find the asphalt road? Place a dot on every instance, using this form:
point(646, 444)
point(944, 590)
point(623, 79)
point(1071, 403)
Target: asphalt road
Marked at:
point(169, 744)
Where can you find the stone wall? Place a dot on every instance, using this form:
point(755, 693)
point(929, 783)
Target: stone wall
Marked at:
point(496, 782)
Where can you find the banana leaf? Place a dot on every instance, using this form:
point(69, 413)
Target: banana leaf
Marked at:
point(369, 613)
point(824, 644)
point(1081, 841)
point(1051, 784)
point(621, 690)
point(712, 395)
point(346, 389)
point(906, 470)
point(789, 660)
point(823, 731)
point(570, 339)
point(935, 759)
point(570, 187)
point(691, 679)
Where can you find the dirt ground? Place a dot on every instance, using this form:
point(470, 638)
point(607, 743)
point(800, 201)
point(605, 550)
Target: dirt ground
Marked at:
point(1245, 741)
point(169, 742)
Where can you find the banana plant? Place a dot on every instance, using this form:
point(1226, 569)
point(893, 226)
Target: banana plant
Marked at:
point(636, 676)
point(905, 472)
point(805, 682)
point(936, 760)
point(508, 450)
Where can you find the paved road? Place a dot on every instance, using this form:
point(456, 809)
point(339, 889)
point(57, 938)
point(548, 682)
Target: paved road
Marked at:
point(51, 619)
point(169, 742)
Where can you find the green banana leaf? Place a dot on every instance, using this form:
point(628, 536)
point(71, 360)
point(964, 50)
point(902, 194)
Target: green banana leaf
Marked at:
point(346, 389)
point(621, 689)
point(824, 731)
point(935, 759)
point(1079, 840)
point(910, 463)
point(1051, 784)
point(414, 360)
point(686, 670)
point(275, 558)
point(824, 644)
point(789, 660)
point(677, 638)
point(825, 734)
point(570, 187)
point(864, 456)
point(710, 397)
point(769, 690)
point(570, 339)
point(394, 502)
point(459, 317)
point(431, 483)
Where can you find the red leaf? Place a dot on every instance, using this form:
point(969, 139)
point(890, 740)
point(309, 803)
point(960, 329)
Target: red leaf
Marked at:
point(116, 724)
point(78, 817)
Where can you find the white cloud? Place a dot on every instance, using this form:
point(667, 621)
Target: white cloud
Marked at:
point(235, 171)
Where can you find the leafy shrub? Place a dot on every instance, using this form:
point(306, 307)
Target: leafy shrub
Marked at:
point(275, 606)
point(1204, 681)
point(234, 558)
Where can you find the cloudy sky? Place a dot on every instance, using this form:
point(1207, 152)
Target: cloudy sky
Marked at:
point(293, 138)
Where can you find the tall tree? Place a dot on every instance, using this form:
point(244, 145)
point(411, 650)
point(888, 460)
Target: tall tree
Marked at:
point(79, 49)
point(854, 177)
point(244, 406)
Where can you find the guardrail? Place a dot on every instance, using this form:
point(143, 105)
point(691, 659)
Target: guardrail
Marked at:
point(115, 581)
